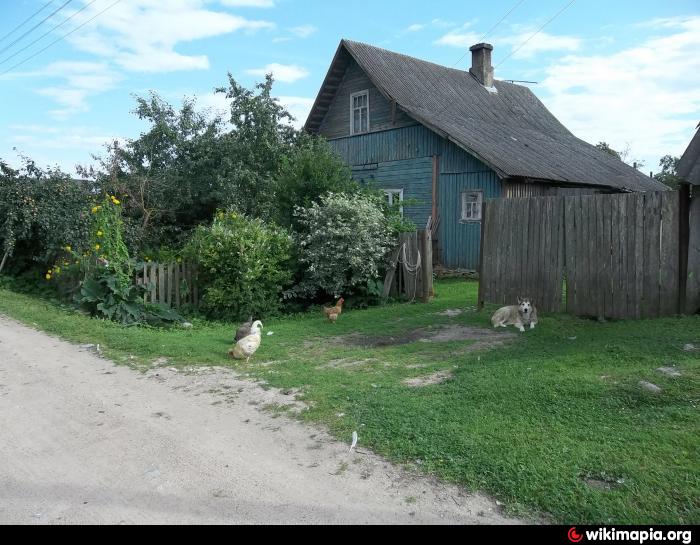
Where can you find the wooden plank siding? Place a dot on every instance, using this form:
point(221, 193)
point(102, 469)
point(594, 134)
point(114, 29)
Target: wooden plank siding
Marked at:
point(459, 241)
point(413, 176)
point(336, 123)
point(404, 158)
point(619, 254)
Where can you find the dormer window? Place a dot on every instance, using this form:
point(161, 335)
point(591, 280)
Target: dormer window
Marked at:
point(359, 112)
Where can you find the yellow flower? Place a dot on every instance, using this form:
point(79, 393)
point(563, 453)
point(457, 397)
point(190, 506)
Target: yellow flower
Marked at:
point(117, 202)
point(97, 246)
point(68, 249)
point(57, 270)
point(48, 276)
point(100, 233)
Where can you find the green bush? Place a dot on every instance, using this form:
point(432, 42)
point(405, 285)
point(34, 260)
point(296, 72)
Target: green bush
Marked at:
point(244, 265)
point(342, 243)
point(41, 212)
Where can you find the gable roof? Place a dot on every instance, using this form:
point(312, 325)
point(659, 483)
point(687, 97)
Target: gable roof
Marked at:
point(689, 165)
point(511, 130)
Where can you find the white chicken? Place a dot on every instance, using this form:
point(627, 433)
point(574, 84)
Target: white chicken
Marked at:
point(247, 346)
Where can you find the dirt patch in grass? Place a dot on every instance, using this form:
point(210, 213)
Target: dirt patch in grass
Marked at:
point(429, 380)
point(483, 338)
point(345, 363)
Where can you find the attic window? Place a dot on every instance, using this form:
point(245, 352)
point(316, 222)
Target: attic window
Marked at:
point(359, 112)
point(471, 205)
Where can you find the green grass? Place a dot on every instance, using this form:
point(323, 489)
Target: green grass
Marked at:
point(527, 422)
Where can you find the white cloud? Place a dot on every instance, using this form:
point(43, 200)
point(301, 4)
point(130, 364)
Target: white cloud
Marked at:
point(647, 97)
point(303, 31)
point(53, 144)
point(286, 73)
point(141, 35)
point(458, 39)
point(249, 3)
point(415, 28)
point(299, 107)
point(541, 43)
point(78, 81)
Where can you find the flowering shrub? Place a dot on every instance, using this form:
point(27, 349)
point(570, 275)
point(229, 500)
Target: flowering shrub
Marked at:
point(243, 266)
point(342, 243)
point(103, 273)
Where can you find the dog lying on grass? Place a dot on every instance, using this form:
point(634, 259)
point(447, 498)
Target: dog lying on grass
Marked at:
point(520, 315)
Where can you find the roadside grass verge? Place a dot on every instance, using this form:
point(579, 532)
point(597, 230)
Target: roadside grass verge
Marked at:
point(553, 421)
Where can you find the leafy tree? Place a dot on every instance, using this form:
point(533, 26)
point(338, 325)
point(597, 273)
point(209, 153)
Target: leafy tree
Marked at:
point(668, 174)
point(260, 136)
point(166, 178)
point(309, 170)
point(42, 211)
point(18, 210)
point(604, 146)
point(625, 155)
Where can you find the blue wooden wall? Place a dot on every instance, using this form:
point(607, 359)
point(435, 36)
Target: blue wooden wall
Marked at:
point(459, 242)
point(401, 158)
point(414, 176)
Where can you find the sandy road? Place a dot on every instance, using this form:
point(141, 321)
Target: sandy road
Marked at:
point(85, 441)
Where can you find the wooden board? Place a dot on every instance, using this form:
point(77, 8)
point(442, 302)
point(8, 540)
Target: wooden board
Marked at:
point(619, 254)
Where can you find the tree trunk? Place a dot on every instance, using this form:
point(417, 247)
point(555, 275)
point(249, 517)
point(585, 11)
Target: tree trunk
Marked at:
point(4, 259)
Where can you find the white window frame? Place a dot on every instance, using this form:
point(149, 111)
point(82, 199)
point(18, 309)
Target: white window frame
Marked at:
point(391, 193)
point(471, 214)
point(353, 96)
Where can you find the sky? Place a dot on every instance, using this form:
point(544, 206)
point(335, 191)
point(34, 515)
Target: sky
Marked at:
point(626, 72)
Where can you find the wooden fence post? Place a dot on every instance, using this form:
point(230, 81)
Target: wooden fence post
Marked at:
point(425, 247)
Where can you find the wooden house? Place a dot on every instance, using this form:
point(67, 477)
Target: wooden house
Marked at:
point(689, 171)
point(448, 139)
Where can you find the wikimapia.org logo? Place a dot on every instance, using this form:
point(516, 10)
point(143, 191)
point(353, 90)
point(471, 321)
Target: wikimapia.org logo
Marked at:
point(635, 536)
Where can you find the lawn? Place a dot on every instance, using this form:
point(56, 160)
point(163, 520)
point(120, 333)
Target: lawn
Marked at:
point(552, 422)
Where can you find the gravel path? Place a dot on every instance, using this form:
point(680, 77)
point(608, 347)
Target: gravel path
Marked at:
point(87, 442)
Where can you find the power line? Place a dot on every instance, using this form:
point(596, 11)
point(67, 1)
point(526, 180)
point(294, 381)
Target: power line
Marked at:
point(42, 8)
point(536, 33)
point(36, 26)
point(47, 33)
point(516, 6)
point(61, 38)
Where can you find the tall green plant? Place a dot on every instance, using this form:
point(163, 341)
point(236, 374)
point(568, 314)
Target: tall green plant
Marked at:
point(342, 243)
point(243, 266)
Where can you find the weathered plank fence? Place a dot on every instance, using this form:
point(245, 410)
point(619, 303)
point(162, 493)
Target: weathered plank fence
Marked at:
point(410, 271)
point(607, 256)
point(171, 284)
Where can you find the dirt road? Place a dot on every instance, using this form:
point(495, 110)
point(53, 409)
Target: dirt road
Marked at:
point(85, 441)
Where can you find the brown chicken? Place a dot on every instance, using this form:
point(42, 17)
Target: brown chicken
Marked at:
point(332, 313)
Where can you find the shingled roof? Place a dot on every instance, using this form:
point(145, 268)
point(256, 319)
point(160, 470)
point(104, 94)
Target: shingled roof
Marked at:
point(511, 130)
point(689, 165)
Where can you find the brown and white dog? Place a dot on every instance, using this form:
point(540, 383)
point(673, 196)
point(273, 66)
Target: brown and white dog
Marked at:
point(520, 315)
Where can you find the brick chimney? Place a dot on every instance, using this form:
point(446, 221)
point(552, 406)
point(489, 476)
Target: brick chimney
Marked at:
point(481, 64)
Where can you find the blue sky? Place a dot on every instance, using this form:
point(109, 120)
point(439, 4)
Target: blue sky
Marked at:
point(627, 72)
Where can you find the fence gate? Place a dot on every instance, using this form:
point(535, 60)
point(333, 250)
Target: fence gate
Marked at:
point(613, 256)
point(523, 252)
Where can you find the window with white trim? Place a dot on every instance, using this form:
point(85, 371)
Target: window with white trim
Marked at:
point(359, 112)
point(471, 205)
point(394, 196)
